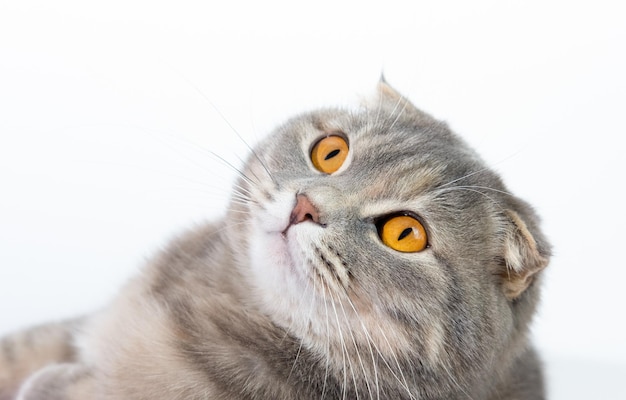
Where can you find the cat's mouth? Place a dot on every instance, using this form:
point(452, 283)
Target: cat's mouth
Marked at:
point(289, 235)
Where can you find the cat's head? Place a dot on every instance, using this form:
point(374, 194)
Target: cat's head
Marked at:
point(380, 229)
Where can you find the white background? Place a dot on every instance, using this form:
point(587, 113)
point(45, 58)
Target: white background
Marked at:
point(107, 112)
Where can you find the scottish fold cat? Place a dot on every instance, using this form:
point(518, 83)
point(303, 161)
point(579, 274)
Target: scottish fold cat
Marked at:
point(365, 254)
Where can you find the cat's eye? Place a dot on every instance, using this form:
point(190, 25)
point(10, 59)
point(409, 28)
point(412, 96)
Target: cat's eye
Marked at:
point(329, 153)
point(403, 233)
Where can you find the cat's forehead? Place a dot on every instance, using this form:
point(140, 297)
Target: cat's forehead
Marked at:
point(383, 142)
point(393, 160)
point(376, 130)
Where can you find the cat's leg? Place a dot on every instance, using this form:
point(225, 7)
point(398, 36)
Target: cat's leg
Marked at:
point(24, 353)
point(58, 382)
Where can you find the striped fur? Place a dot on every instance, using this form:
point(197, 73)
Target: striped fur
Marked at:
point(267, 304)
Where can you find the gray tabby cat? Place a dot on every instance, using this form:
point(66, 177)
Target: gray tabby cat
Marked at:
point(364, 255)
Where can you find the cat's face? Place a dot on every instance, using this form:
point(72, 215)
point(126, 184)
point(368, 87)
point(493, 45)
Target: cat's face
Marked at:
point(380, 229)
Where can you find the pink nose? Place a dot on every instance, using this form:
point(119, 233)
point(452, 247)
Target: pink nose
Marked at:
point(304, 211)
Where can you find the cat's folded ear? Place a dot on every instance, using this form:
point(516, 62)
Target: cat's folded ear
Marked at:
point(523, 257)
point(390, 100)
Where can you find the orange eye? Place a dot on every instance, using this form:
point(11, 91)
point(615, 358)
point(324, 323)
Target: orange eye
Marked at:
point(329, 154)
point(403, 233)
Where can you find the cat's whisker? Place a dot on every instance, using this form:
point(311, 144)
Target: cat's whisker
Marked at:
point(243, 198)
point(256, 177)
point(487, 169)
point(369, 123)
point(241, 212)
point(243, 194)
point(400, 113)
point(328, 336)
point(309, 317)
point(165, 172)
point(241, 208)
point(369, 341)
point(232, 128)
point(356, 349)
point(470, 189)
point(447, 369)
point(442, 189)
point(190, 144)
point(455, 382)
point(344, 349)
point(379, 107)
point(480, 171)
point(214, 156)
point(504, 192)
point(397, 361)
point(402, 381)
point(265, 167)
point(343, 358)
point(241, 202)
point(230, 225)
point(228, 164)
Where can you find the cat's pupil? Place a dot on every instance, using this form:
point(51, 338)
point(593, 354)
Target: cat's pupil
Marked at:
point(405, 233)
point(332, 154)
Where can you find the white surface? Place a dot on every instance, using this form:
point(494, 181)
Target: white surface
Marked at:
point(104, 115)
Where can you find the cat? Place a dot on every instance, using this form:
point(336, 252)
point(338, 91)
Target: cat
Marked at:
point(364, 254)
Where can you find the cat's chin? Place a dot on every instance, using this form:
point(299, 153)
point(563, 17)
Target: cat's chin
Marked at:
point(282, 287)
point(280, 251)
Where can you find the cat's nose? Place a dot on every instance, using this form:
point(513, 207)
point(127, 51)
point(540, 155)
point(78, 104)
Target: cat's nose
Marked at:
point(304, 211)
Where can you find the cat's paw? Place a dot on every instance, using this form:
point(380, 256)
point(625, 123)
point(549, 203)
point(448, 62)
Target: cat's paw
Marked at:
point(57, 382)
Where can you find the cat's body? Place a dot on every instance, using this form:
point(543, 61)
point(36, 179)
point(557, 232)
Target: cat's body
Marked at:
point(298, 292)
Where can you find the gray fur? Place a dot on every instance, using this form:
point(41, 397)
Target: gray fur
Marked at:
point(251, 307)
